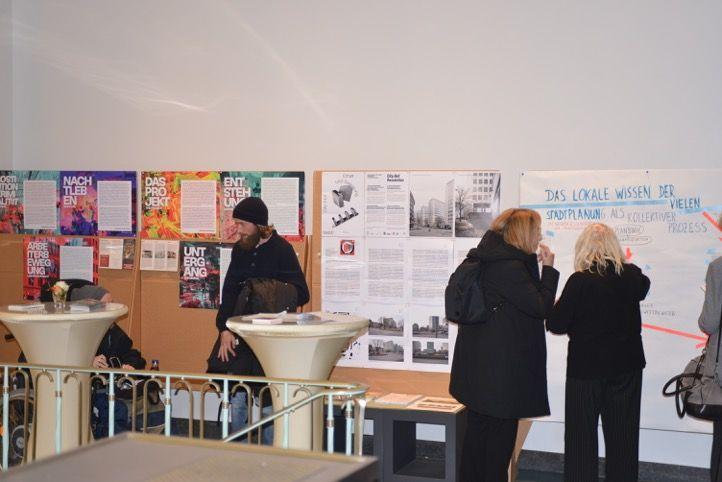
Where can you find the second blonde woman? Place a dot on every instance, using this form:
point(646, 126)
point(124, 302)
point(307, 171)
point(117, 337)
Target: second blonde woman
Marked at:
point(599, 311)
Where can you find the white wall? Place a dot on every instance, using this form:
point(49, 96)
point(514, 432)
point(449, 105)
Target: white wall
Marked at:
point(323, 84)
point(6, 85)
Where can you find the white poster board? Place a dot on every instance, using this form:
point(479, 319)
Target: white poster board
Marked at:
point(391, 239)
point(666, 223)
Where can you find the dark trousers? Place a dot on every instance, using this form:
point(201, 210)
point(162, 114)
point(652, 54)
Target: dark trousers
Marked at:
point(617, 400)
point(715, 466)
point(488, 447)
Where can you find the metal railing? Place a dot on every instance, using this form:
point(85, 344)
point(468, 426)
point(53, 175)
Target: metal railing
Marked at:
point(20, 408)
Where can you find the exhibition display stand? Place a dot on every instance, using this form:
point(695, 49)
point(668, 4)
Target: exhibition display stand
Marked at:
point(50, 336)
point(298, 350)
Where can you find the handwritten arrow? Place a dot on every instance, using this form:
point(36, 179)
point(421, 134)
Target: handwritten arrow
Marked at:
point(713, 221)
point(683, 334)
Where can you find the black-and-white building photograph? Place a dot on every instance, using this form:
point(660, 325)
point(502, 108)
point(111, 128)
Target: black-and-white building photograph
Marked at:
point(477, 197)
point(431, 204)
point(385, 350)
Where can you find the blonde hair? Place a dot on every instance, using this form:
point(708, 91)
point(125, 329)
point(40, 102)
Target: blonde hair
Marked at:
point(597, 246)
point(519, 228)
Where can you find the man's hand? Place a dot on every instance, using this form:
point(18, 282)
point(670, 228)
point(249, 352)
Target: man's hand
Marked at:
point(100, 362)
point(225, 351)
point(125, 366)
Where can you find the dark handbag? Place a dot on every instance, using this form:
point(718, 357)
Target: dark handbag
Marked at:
point(262, 295)
point(697, 393)
point(259, 295)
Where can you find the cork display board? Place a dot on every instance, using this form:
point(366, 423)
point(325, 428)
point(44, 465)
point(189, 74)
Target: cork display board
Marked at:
point(180, 338)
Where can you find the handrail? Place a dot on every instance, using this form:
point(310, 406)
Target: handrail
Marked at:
point(222, 387)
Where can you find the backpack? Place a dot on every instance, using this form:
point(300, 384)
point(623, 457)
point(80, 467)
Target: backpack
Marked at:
point(464, 296)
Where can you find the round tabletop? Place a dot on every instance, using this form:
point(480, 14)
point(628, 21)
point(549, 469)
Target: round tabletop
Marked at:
point(293, 325)
point(49, 313)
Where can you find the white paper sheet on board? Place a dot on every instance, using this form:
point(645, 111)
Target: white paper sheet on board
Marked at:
point(342, 204)
point(281, 197)
point(115, 206)
point(342, 268)
point(198, 206)
point(40, 205)
point(76, 262)
point(224, 256)
point(387, 204)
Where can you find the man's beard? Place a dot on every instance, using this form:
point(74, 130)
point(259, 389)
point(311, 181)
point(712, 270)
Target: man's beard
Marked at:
point(249, 241)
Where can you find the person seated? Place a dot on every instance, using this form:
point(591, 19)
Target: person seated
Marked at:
point(115, 351)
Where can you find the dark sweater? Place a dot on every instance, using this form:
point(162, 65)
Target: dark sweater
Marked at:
point(274, 259)
point(600, 314)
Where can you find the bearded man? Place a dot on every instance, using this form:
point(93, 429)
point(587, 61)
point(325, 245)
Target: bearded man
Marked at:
point(259, 253)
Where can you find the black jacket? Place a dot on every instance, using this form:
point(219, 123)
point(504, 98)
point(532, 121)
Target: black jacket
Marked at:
point(274, 259)
point(600, 313)
point(499, 367)
point(117, 344)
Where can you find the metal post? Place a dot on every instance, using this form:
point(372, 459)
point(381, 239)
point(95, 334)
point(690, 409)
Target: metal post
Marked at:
point(329, 424)
point(224, 410)
point(6, 418)
point(58, 412)
point(167, 407)
point(359, 422)
point(111, 405)
point(349, 425)
point(285, 416)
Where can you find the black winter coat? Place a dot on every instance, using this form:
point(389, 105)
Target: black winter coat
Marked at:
point(274, 259)
point(116, 343)
point(499, 367)
point(600, 313)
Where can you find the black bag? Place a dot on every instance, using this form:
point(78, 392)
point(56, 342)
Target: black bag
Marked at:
point(259, 295)
point(696, 392)
point(464, 299)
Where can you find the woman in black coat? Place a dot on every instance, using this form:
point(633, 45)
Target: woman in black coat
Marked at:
point(599, 311)
point(499, 367)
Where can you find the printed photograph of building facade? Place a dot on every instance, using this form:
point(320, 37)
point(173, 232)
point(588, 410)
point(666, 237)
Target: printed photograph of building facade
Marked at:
point(387, 325)
point(477, 199)
point(431, 204)
point(430, 352)
point(430, 326)
point(385, 350)
point(428, 322)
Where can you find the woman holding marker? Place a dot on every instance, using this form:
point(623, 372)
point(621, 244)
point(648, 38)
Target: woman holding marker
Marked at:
point(499, 367)
point(599, 311)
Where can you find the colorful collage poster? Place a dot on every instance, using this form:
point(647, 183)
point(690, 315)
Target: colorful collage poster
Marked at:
point(179, 204)
point(117, 200)
point(29, 202)
point(47, 259)
point(97, 202)
point(199, 275)
point(282, 191)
